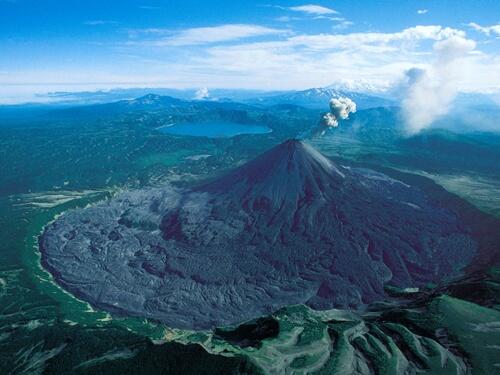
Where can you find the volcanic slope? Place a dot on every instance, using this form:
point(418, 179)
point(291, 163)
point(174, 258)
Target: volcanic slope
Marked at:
point(289, 227)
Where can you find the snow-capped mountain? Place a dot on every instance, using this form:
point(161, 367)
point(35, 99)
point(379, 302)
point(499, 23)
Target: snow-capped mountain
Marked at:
point(318, 98)
point(360, 86)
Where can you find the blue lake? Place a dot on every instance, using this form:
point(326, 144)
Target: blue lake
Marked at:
point(214, 129)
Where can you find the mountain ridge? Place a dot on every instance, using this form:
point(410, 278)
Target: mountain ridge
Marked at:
point(318, 98)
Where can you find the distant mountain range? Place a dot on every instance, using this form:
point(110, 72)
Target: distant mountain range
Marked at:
point(310, 98)
point(469, 111)
point(150, 103)
point(318, 98)
point(107, 96)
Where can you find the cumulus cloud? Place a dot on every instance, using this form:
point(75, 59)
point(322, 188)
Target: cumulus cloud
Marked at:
point(355, 40)
point(488, 30)
point(312, 60)
point(313, 9)
point(279, 61)
point(422, 11)
point(431, 91)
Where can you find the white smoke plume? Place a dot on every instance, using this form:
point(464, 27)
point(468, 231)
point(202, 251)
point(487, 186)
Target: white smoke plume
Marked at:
point(330, 120)
point(340, 108)
point(430, 92)
point(202, 94)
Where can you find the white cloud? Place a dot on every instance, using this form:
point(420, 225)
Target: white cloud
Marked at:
point(281, 60)
point(488, 30)
point(313, 9)
point(378, 59)
point(99, 22)
point(343, 25)
point(335, 18)
point(360, 40)
point(315, 60)
point(422, 11)
point(222, 33)
point(431, 91)
point(286, 19)
point(202, 94)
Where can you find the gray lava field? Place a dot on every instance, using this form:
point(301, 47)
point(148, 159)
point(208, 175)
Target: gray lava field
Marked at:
point(289, 227)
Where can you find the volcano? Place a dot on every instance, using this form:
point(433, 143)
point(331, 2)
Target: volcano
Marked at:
point(289, 227)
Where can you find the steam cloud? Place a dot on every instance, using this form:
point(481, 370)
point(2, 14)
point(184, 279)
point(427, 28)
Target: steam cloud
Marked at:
point(340, 108)
point(202, 94)
point(430, 92)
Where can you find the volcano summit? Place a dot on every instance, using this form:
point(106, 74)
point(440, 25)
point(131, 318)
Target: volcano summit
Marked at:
point(289, 227)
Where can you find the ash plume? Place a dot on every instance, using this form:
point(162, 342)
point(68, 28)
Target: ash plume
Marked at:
point(340, 108)
point(430, 92)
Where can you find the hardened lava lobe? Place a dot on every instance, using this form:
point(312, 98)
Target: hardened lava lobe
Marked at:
point(288, 227)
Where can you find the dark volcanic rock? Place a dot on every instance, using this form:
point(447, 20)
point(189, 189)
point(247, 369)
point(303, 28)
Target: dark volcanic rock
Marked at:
point(250, 333)
point(288, 227)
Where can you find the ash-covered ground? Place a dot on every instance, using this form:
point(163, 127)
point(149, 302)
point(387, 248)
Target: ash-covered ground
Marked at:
point(288, 227)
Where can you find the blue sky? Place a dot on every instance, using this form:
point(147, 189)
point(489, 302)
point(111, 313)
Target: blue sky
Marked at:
point(48, 45)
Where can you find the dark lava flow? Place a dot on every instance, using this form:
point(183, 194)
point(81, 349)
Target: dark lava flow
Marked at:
point(288, 227)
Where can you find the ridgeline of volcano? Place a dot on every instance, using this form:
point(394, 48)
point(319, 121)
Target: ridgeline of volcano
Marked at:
point(288, 227)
